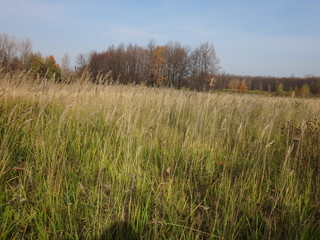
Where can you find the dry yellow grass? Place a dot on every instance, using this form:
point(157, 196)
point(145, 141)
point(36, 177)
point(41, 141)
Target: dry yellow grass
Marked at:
point(80, 160)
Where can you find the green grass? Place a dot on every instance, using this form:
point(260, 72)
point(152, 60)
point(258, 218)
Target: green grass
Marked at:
point(83, 161)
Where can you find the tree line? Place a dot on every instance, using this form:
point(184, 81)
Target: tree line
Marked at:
point(282, 86)
point(169, 65)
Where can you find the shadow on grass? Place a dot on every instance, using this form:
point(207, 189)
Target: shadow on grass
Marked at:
point(119, 230)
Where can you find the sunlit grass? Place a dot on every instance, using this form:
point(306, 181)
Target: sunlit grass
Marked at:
point(79, 160)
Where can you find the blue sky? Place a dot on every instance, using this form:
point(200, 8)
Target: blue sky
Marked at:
point(269, 37)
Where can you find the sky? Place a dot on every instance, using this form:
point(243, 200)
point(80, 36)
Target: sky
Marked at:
point(251, 37)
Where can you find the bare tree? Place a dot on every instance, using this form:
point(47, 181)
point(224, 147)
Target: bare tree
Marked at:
point(177, 63)
point(8, 49)
point(65, 62)
point(82, 60)
point(151, 45)
point(204, 59)
point(67, 74)
point(25, 49)
point(135, 62)
point(203, 64)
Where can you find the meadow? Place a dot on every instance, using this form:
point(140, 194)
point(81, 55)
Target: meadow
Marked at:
point(86, 161)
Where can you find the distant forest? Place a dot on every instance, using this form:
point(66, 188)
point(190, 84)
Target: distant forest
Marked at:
point(170, 65)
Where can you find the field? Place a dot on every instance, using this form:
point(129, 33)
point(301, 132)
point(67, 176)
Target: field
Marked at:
point(83, 161)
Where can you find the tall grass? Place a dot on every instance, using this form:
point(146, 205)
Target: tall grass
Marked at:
point(83, 161)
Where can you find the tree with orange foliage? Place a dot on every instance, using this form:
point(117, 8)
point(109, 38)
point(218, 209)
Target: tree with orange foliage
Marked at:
point(45, 68)
point(243, 87)
point(158, 65)
point(37, 66)
point(53, 70)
